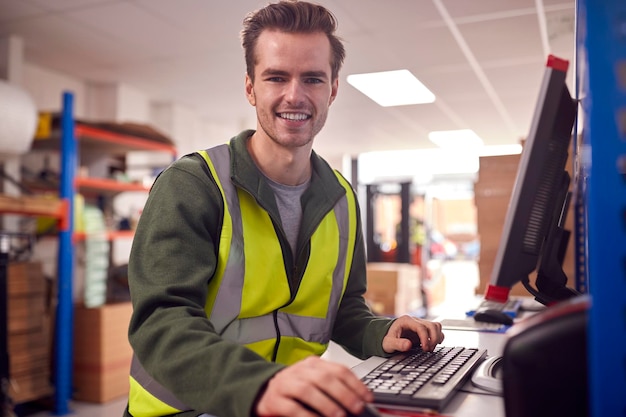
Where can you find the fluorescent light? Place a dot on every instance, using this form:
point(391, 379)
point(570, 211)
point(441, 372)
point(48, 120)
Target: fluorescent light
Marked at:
point(420, 165)
point(495, 150)
point(456, 139)
point(392, 88)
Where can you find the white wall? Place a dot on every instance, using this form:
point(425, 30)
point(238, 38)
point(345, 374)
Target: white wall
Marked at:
point(188, 129)
point(124, 103)
point(46, 88)
point(113, 102)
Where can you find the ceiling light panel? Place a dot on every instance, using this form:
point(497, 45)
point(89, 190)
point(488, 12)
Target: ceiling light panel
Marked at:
point(456, 139)
point(392, 88)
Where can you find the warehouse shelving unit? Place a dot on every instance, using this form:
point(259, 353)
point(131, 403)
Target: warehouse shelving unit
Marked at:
point(70, 139)
point(58, 209)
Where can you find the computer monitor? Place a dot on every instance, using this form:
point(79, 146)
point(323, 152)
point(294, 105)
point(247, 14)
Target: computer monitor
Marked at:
point(533, 237)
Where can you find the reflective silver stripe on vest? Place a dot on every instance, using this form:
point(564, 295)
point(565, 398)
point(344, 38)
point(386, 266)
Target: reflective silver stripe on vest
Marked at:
point(254, 329)
point(311, 329)
point(343, 222)
point(148, 383)
point(228, 301)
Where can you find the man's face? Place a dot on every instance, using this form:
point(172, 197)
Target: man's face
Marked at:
point(293, 88)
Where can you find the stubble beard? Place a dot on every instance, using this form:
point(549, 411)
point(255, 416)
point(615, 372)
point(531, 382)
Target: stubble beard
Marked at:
point(285, 138)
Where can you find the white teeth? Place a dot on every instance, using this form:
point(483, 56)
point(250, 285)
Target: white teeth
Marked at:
point(294, 116)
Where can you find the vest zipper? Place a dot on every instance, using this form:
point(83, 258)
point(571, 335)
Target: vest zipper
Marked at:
point(277, 344)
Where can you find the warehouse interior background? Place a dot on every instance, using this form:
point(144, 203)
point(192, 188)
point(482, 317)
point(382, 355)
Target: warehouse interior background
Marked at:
point(177, 66)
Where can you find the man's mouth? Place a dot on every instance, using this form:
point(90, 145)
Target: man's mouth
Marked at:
point(294, 116)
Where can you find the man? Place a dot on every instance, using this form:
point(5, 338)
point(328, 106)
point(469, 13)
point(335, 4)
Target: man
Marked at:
point(248, 258)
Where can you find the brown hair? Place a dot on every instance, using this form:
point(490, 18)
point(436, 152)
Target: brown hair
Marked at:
point(291, 16)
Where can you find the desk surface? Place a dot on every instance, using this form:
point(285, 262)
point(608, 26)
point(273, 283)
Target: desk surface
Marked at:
point(463, 404)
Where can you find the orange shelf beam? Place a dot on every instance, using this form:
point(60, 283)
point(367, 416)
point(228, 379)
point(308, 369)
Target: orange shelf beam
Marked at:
point(138, 143)
point(104, 184)
point(34, 206)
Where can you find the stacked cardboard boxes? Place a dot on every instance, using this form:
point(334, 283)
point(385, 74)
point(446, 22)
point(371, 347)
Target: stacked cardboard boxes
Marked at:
point(393, 289)
point(28, 329)
point(492, 192)
point(102, 354)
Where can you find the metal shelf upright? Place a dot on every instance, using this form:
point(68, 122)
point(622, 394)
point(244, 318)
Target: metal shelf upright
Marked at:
point(601, 56)
point(65, 309)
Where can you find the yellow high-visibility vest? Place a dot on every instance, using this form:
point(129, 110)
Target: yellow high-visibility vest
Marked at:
point(255, 306)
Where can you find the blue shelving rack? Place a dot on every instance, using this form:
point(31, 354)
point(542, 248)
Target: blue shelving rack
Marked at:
point(601, 59)
point(65, 307)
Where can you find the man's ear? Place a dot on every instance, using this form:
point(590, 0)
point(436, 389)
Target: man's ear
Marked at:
point(250, 91)
point(333, 91)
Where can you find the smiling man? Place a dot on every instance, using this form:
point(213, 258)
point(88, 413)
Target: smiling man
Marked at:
point(248, 258)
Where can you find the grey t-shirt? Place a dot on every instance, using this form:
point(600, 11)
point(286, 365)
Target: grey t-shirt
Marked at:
point(290, 208)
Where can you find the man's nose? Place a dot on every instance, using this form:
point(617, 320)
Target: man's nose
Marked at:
point(294, 91)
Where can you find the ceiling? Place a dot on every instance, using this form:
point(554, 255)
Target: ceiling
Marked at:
point(483, 59)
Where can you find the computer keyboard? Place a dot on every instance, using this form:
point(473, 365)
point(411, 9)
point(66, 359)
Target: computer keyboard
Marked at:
point(511, 307)
point(424, 380)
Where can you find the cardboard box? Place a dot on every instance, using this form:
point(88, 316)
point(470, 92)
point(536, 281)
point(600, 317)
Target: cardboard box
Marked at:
point(492, 193)
point(393, 289)
point(102, 353)
point(435, 286)
point(26, 313)
point(28, 330)
point(500, 164)
point(30, 386)
point(25, 279)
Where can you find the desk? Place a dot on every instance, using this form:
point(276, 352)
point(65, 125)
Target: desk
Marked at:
point(463, 404)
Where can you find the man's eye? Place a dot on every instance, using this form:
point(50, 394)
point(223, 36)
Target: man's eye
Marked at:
point(313, 81)
point(276, 79)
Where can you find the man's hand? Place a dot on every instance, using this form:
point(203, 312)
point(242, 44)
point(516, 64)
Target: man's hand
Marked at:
point(316, 383)
point(407, 332)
